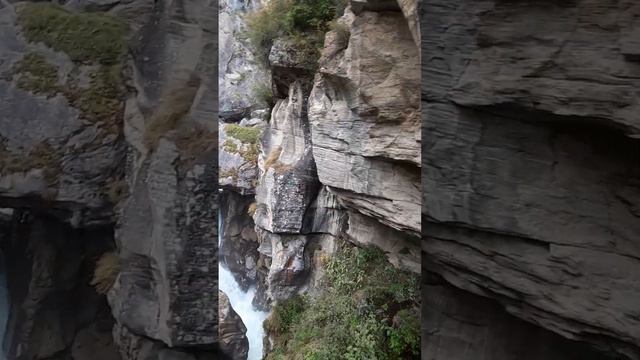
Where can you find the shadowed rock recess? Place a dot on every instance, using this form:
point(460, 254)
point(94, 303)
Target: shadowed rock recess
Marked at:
point(531, 180)
point(108, 158)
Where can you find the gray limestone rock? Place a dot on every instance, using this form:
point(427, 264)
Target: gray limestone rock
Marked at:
point(365, 114)
point(530, 180)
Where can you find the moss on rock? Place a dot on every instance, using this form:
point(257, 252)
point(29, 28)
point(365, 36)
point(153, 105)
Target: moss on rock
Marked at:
point(36, 74)
point(86, 38)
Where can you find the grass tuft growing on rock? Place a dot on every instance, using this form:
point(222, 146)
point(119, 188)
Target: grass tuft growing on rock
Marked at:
point(86, 37)
point(251, 210)
point(36, 74)
point(106, 272)
point(173, 108)
point(369, 310)
point(102, 102)
point(245, 134)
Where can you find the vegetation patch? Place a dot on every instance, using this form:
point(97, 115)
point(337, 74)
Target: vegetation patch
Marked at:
point(286, 18)
point(230, 146)
point(263, 94)
point(369, 310)
point(102, 102)
point(245, 134)
point(36, 74)
point(251, 210)
point(172, 109)
point(232, 173)
point(41, 156)
point(92, 39)
point(106, 272)
point(86, 38)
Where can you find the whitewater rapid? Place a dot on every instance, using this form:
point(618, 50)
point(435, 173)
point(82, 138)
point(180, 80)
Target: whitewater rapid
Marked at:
point(241, 302)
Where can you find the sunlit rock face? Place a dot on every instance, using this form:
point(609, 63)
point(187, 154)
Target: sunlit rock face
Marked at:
point(530, 169)
point(364, 112)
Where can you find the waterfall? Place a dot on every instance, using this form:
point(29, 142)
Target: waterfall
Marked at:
point(241, 302)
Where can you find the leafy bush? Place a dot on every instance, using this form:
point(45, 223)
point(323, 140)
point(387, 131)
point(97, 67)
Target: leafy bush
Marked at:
point(284, 18)
point(369, 310)
point(285, 314)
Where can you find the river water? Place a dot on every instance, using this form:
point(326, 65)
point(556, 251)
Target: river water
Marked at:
point(241, 302)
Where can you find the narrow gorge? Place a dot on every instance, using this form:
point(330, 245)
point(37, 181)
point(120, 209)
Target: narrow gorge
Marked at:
point(320, 176)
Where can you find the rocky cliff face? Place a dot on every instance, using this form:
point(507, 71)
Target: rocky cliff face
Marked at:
point(530, 178)
point(105, 127)
point(337, 159)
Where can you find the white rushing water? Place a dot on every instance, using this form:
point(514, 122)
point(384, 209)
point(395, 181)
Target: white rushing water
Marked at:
point(241, 302)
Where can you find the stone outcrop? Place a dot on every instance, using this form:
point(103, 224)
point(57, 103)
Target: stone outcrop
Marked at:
point(340, 158)
point(56, 143)
point(240, 77)
point(233, 338)
point(116, 131)
point(530, 171)
point(365, 115)
point(167, 290)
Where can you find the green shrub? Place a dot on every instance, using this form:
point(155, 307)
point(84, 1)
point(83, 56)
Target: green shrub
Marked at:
point(85, 37)
point(285, 314)
point(284, 18)
point(404, 339)
point(353, 317)
point(263, 94)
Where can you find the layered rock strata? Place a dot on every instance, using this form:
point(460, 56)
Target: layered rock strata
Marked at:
point(531, 172)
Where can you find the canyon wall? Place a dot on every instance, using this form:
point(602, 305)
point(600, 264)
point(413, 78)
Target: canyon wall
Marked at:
point(334, 157)
point(531, 174)
point(109, 163)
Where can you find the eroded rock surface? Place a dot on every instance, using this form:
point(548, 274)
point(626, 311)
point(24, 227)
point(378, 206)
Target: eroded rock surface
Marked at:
point(530, 167)
point(365, 114)
point(167, 291)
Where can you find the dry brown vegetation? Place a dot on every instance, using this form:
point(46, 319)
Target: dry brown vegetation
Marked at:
point(173, 107)
point(252, 209)
point(272, 158)
point(106, 272)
